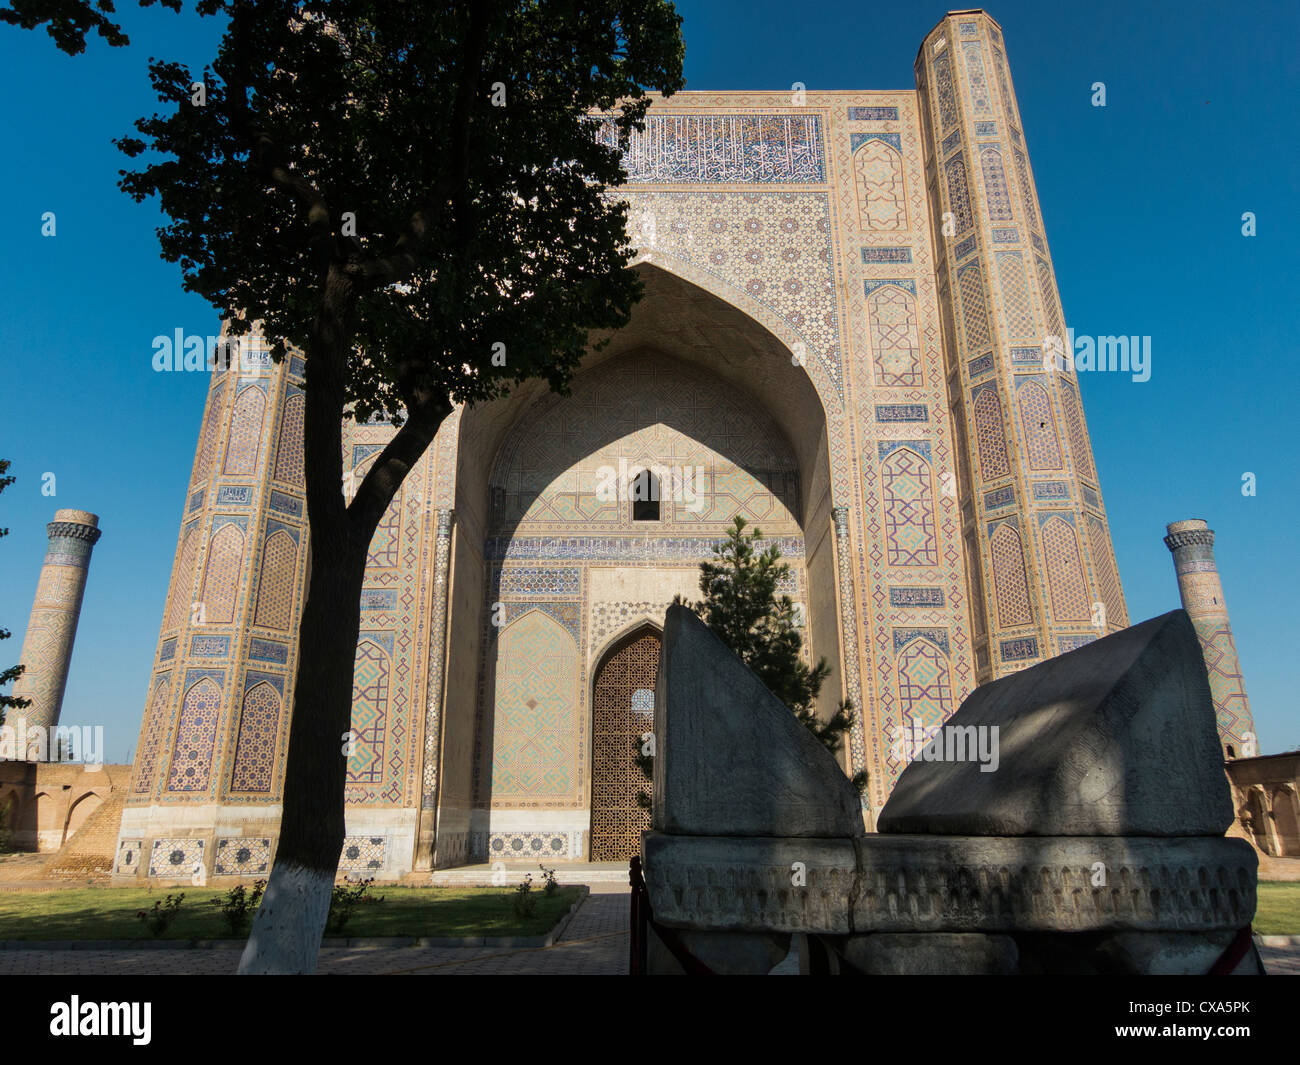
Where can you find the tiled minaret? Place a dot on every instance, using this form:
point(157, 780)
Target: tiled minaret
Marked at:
point(1043, 578)
point(1192, 544)
point(214, 717)
point(209, 765)
point(47, 647)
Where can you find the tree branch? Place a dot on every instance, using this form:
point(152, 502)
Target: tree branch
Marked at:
point(397, 459)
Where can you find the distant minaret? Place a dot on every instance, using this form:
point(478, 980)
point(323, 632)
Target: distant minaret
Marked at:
point(47, 647)
point(1192, 543)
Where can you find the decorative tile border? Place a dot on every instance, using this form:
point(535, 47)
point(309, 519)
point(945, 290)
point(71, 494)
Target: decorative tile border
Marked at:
point(524, 846)
point(740, 149)
point(1019, 650)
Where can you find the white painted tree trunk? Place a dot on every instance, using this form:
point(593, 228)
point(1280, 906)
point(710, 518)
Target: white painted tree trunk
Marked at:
point(288, 925)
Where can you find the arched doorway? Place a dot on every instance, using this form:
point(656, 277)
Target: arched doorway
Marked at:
point(1285, 823)
point(84, 807)
point(1259, 820)
point(622, 713)
point(8, 821)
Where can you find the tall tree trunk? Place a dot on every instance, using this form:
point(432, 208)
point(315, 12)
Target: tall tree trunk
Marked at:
point(287, 929)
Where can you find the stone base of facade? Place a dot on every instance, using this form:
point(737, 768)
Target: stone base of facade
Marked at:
point(192, 843)
point(521, 835)
point(176, 844)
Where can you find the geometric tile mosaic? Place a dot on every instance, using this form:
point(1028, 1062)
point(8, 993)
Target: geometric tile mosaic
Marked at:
point(1038, 424)
point(369, 706)
point(289, 454)
point(995, 185)
point(363, 854)
point(896, 345)
point(533, 750)
point(882, 196)
point(243, 856)
point(128, 856)
point(908, 492)
point(1069, 587)
point(195, 737)
point(981, 105)
point(245, 432)
point(1015, 295)
point(255, 747)
point(520, 846)
point(1009, 580)
point(176, 858)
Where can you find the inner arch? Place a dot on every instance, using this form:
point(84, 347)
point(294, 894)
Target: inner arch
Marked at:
point(728, 419)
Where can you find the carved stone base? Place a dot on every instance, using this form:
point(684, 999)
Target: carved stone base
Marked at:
point(899, 883)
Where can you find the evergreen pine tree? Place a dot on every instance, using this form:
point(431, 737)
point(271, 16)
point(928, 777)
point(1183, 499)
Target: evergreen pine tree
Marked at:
point(742, 608)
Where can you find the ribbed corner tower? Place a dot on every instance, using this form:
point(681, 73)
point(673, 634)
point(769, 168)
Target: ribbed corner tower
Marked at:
point(1042, 571)
point(1192, 544)
point(52, 628)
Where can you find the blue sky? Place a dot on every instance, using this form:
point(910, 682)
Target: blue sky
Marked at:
point(1142, 200)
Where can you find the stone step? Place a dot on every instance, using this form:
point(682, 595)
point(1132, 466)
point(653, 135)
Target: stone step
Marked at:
point(514, 872)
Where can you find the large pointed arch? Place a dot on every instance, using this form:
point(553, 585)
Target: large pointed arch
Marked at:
point(696, 317)
point(505, 561)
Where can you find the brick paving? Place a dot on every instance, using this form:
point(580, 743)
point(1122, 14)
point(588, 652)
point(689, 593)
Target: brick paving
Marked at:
point(1281, 961)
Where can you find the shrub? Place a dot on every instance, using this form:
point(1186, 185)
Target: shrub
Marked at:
point(238, 906)
point(164, 912)
point(523, 901)
point(344, 899)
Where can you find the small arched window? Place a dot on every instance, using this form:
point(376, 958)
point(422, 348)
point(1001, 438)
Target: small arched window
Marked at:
point(644, 490)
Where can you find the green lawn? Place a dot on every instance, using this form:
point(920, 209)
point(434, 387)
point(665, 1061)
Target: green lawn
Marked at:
point(110, 913)
point(1279, 908)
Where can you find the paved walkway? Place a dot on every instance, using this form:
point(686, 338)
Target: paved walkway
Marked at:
point(595, 943)
point(1281, 961)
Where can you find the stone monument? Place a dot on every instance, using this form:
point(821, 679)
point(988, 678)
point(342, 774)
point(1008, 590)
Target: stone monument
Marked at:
point(1093, 843)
